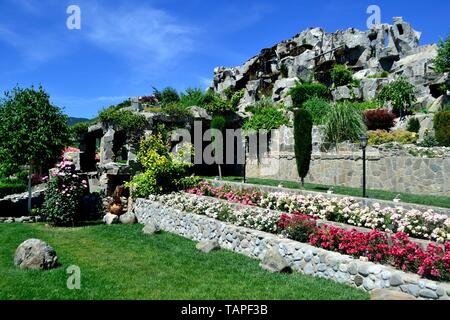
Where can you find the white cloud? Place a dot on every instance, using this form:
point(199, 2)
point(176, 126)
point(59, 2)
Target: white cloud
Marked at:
point(145, 36)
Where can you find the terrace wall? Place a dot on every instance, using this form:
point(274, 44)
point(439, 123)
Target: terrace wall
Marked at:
point(301, 257)
point(387, 169)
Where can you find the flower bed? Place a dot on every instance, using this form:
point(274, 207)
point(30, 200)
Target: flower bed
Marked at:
point(398, 251)
point(424, 225)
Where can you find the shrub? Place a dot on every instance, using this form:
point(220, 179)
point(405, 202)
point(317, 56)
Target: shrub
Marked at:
point(236, 98)
point(343, 123)
point(298, 226)
point(163, 172)
point(168, 95)
point(192, 97)
point(442, 128)
point(302, 92)
point(384, 74)
point(214, 104)
point(11, 186)
point(442, 61)
point(267, 118)
point(381, 137)
point(63, 195)
point(218, 122)
point(429, 140)
point(400, 93)
point(413, 125)
point(365, 105)
point(341, 75)
point(379, 119)
point(176, 110)
point(302, 142)
point(123, 119)
point(318, 108)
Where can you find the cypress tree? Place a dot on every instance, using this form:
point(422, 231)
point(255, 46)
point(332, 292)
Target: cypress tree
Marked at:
point(303, 142)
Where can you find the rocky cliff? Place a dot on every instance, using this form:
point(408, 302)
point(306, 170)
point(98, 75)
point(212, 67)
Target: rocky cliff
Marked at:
point(313, 53)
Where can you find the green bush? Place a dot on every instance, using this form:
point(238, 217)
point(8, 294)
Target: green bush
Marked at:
point(343, 123)
point(236, 98)
point(303, 141)
point(318, 108)
point(123, 119)
point(302, 92)
point(167, 96)
point(442, 61)
point(266, 118)
point(176, 110)
point(214, 104)
point(218, 122)
point(413, 125)
point(381, 137)
point(63, 196)
point(365, 105)
point(11, 186)
point(341, 75)
point(400, 93)
point(192, 97)
point(384, 74)
point(429, 140)
point(163, 172)
point(442, 128)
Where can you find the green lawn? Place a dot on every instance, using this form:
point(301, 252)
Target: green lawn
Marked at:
point(119, 262)
point(438, 201)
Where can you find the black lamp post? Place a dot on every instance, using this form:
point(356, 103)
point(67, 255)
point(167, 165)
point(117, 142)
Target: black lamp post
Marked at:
point(363, 145)
point(245, 158)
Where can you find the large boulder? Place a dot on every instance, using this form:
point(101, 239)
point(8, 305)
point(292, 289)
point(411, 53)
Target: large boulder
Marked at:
point(151, 228)
point(110, 218)
point(207, 246)
point(128, 218)
point(274, 262)
point(35, 254)
point(386, 294)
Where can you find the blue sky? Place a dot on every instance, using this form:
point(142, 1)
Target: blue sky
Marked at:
point(125, 47)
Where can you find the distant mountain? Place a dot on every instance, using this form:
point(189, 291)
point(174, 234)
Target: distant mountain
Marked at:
point(73, 121)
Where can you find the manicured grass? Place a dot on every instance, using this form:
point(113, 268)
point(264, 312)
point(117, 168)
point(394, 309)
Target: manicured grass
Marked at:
point(438, 201)
point(119, 262)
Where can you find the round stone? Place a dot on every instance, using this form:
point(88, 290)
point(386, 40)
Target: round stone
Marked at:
point(35, 254)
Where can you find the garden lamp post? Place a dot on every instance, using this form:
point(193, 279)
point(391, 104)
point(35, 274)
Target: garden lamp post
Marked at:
point(363, 146)
point(245, 158)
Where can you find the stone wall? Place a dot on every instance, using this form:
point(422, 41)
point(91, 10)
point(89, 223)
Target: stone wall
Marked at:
point(387, 169)
point(301, 257)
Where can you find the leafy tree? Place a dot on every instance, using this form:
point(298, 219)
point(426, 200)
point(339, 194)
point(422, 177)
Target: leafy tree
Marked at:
point(32, 131)
point(303, 142)
point(400, 93)
point(442, 61)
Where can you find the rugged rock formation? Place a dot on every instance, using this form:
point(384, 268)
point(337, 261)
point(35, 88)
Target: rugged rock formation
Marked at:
point(313, 52)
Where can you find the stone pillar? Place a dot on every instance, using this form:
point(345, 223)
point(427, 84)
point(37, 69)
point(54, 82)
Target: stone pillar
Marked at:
point(106, 147)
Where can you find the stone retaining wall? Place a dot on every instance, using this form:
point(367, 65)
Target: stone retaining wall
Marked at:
point(301, 257)
point(387, 169)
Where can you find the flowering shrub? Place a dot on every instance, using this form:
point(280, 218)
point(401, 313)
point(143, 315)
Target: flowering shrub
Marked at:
point(297, 226)
point(250, 217)
point(404, 254)
point(63, 196)
point(426, 225)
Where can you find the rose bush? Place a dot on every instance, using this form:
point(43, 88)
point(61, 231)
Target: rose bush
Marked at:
point(426, 225)
point(63, 195)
